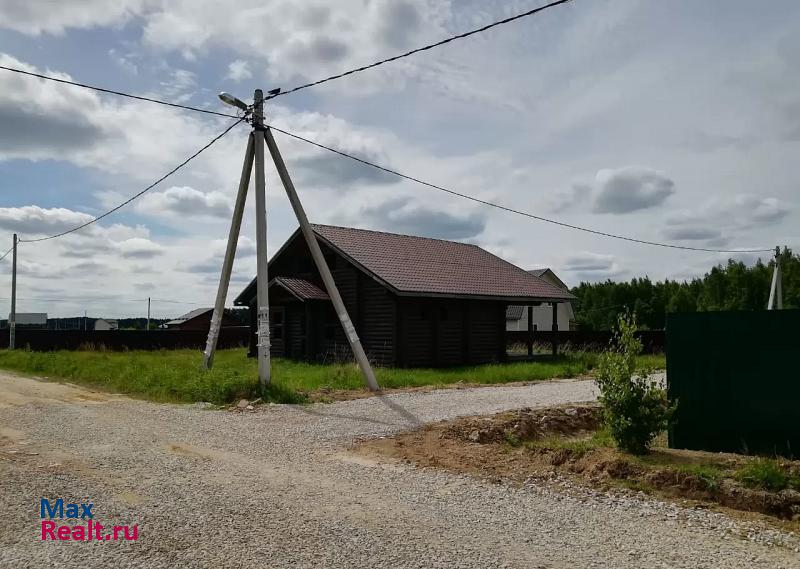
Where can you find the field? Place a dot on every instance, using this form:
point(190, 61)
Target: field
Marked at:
point(176, 376)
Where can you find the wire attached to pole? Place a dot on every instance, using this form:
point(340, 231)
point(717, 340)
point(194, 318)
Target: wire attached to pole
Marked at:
point(147, 189)
point(419, 49)
point(509, 209)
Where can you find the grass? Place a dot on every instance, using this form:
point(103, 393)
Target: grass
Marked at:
point(767, 474)
point(762, 473)
point(175, 376)
point(579, 446)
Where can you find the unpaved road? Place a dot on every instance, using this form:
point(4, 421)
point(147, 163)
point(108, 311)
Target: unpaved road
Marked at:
point(278, 488)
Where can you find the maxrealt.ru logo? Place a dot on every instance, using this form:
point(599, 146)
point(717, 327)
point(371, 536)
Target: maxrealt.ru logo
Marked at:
point(92, 530)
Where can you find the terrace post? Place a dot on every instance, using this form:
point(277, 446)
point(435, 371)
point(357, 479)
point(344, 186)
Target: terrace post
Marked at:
point(555, 328)
point(529, 308)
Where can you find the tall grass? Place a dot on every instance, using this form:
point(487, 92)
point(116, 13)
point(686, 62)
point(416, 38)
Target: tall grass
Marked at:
point(177, 375)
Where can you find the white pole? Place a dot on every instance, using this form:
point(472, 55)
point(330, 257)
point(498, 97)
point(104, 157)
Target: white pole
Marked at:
point(775, 290)
point(230, 254)
point(262, 282)
point(12, 318)
point(322, 265)
point(779, 287)
point(148, 315)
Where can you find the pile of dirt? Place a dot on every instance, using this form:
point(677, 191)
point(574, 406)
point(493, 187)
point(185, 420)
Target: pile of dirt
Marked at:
point(526, 424)
point(546, 443)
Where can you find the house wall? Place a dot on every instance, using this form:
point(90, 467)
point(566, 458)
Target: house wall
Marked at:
point(437, 332)
point(394, 331)
point(543, 318)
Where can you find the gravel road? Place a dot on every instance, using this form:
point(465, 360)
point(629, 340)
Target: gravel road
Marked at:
point(279, 488)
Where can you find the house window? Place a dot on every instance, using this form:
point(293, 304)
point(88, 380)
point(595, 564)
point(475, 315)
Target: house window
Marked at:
point(277, 323)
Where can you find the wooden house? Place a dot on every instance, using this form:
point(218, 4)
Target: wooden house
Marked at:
point(414, 301)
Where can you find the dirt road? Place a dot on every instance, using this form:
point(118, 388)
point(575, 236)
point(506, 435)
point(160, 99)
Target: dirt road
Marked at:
point(278, 488)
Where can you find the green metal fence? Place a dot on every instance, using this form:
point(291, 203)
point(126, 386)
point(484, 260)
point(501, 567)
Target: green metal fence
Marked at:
point(736, 376)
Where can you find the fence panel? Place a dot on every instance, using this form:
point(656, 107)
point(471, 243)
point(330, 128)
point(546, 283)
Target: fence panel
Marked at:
point(735, 377)
point(49, 340)
point(652, 340)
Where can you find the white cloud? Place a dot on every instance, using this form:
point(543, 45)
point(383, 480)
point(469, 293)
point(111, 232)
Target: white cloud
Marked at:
point(589, 266)
point(715, 219)
point(55, 17)
point(239, 70)
point(313, 37)
point(33, 220)
point(139, 248)
point(186, 202)
point(629, 189)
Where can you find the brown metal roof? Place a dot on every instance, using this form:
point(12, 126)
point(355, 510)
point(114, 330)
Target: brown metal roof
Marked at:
point(420, 265)
point(301, 288)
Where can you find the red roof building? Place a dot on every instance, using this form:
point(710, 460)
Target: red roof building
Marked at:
point(415, 301)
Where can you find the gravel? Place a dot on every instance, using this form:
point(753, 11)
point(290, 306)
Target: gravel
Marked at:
point(277, 487)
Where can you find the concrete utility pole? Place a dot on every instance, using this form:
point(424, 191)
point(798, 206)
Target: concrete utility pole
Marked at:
point(322, 265)
point(148, 315)
point(776, 290)
point(262, 261)
point(12, 318)
point(230, 253)
point(255, 155)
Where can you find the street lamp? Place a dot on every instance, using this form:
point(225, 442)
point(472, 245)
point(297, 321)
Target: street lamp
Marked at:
point(229, 99)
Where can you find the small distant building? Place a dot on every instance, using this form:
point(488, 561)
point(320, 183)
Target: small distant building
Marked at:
point(106, 324)
point(30, 319)
point(200, 319)
point(517, 314)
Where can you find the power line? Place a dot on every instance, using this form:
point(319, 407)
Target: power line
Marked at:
point(113, 92)
point(6, 253)
point(424, 48)
point(147, 189)
point(512, 210)
point(78, 299)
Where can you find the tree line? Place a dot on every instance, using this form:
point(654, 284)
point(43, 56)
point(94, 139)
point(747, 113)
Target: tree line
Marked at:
point(731, 286)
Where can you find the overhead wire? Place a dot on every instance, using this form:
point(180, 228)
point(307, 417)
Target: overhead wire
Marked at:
point(420, 49)
point(114, 92)
point(6, 253)
point(509, 209)
point(139, 194)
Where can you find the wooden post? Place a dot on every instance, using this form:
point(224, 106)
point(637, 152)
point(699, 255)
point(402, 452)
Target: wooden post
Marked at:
point(555, 328)
point(529, 308)
point(465, 331)
point(434, 314)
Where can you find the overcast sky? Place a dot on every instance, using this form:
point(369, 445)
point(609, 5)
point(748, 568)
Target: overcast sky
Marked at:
point(669, 121)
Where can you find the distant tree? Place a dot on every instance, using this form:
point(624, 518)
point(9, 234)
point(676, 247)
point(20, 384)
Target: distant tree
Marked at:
point(730, 286)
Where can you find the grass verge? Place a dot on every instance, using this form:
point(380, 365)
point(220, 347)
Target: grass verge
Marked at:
point(175, 376)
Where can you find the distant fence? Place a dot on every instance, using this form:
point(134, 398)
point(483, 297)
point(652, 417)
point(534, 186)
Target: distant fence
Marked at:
point(653, 341)
point(735, 377)
point(117, 340)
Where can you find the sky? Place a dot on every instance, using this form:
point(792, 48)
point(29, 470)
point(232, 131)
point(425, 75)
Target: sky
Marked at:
point(671, 121)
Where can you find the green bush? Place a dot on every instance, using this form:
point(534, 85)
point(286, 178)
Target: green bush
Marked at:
point(635, 410)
